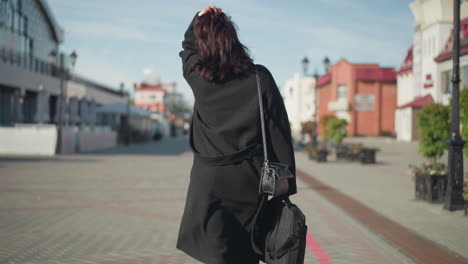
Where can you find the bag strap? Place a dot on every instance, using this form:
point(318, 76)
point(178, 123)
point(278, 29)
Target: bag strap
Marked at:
point(255, 247)
point(258, 250)
point(262, 118)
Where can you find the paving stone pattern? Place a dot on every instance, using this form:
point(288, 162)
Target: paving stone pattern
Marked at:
point(124, 206)
point(387, 188)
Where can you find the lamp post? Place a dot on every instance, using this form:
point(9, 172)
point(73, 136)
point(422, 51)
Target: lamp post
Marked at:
point(305, 66)
point(326, 64)
point(127, 110)
point(63, 75)
point(454, 192)
point(316, 77)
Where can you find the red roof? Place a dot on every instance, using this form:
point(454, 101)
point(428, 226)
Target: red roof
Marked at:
point(407, 64)
point(419, 102)
point(446, 52)
point(324, 79)
point(376, 74)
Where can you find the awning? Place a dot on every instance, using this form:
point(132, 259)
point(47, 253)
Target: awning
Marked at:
point(419, 102)
point(121, 109)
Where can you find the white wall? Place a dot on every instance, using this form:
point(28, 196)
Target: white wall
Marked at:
point(96, 140)
point(405, 88)
point(433, 40)
point(40, 140)
point(403, 123)
point(28, 140)
point(298, 95)
point(149, 97)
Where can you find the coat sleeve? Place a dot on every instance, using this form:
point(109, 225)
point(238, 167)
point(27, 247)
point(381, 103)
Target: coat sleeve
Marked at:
point(189, 54)
point(278, 131)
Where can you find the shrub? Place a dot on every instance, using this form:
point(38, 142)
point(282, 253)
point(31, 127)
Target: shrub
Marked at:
point(336, 129)
point(308, 127)
point(464, 117)
point(433, 129)
point(323, 126)
point(465, 192)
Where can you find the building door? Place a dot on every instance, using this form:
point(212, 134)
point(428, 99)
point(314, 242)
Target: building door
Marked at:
point(6, 105)
point(29, 107)
point(52, 107)
point(415, 135)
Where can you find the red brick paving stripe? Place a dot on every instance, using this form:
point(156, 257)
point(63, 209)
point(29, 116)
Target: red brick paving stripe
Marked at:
point(319, 253)
point(408, 242)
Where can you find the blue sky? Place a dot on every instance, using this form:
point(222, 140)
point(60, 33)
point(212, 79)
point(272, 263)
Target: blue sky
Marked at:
point(117, 39)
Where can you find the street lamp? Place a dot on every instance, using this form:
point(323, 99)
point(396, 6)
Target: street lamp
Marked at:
point(73, 57)
point(326, 64)
point(63, 75)
point(454, 192)
point(314, 136)
point(305, 64)
point(127, 124)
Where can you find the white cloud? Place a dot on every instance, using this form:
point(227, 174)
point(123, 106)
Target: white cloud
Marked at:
point(108, 30)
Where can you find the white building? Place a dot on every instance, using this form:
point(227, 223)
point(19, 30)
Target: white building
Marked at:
point(419, 78)
point(30, 87)
point(299, 99)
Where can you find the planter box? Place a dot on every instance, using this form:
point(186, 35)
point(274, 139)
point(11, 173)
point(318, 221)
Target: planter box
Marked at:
point(430, 187)
point(435, 186)
point(321, 156)
point(341, 152)
point(367, 156)
point(420, 187)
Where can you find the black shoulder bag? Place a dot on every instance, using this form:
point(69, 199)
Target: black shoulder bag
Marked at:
point(278, 229)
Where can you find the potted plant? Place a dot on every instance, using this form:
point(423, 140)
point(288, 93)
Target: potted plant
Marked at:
point(433, 129)
point(322, 124)
point(308, 128)
point(367, 155)
point(430, 182)
point(336, 132)
point(342, 151)
point(318, 153)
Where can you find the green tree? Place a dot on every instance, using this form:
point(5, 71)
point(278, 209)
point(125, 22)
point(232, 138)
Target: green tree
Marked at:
point(323, 126)
point(464, 117)
point(433, 129)
point(308, 127)
point(336, 129)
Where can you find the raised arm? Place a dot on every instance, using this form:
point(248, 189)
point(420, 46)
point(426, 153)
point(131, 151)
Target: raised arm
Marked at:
point(278, 131)
point(189, 54)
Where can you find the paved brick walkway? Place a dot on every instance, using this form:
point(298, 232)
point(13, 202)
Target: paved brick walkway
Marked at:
point(124, 206)
point(388, 189)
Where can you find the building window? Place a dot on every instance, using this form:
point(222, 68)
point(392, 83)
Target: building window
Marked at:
point(342, 91)
point(446, 83)
point(465, 77)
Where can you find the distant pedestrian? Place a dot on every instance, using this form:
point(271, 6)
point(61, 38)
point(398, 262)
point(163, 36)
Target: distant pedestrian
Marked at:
point(225, 137)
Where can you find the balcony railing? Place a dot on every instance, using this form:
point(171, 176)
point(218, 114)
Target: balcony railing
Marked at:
point(27, 62)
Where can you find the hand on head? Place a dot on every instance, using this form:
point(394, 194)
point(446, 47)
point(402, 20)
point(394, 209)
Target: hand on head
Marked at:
point(214, 10)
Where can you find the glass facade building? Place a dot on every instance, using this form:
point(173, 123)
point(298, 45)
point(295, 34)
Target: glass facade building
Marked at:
point(28, 38)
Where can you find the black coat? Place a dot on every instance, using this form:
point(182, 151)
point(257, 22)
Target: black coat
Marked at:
point(225, 137)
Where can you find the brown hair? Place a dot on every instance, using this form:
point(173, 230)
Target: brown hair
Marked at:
point(222, 54)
